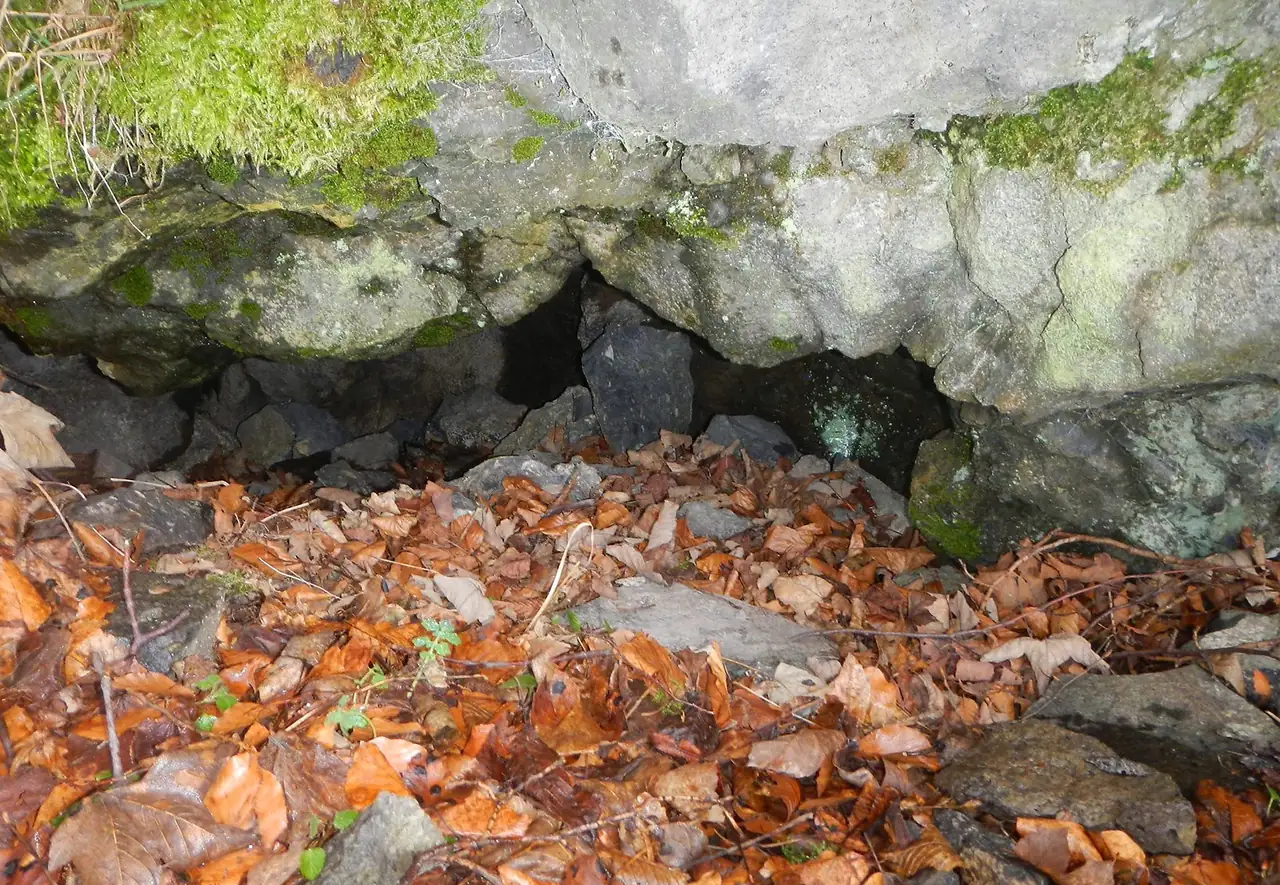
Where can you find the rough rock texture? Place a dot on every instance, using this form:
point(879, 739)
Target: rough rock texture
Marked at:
point(1183, 722)
point(1233, 629)
point(381, 845)
point(1075, 774)
point(679, 617)
point(477, 419)
point(372, 452)
point(763, 440)
point(1178, 473)
point(485, 479)
point(289, 430)
point(572, 412)
point(342, 475)
point(708, 521)
point(640, 383)
point(988, 856)
point(167, 523)
point(158, 600)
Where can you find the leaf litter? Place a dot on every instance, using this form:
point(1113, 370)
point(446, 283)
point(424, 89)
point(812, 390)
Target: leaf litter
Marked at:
point(392, 644)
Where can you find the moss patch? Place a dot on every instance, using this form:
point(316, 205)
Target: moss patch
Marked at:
point(250, 310)
point(941, 499)
point(891, 160)
point(782, 345)
point(33, 322)
point(199, 310)
point(223, 171)
point(362, 178)
point(444, 330)
point(1123, 117)
point(513, 97)
point(207, 255)
point(550, 120)
point(135, 286)
point(527, 148)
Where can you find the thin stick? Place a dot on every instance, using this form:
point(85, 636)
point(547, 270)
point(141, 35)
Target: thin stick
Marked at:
point(736, 849)
point(476, 869)
point(113, 739)
point(75, 542)
point(555, 584)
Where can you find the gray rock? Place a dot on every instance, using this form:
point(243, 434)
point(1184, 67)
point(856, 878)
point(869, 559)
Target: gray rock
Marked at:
point(309, 647)
point(167, 523)
point(485, 479)
point(289, 430)
point(810, 465)
point(640, 383)
point(1179, 473)
point(1183, 722)
point(949, 578)
point(236, 397)
point(479, 419)
point(128, 433)
point(572, 411)
point(763, 440)
point(604, 306)
point(890, 507)
point(1032, 768)
point(1232, 629)
point(374, 452)
point(341, 475)
point(679, 617)
point(988, 856)
point(708, 521)
point(158, 600)
point(381, 845)
point(935, 877)
point(207, 439)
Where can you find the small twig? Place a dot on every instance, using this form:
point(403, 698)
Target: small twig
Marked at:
point(736, 849)
point(555, 584)
point(113, 739)
point(476, 869)
point(75, 542)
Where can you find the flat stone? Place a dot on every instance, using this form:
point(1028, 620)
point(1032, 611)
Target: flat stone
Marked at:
point(381, 845)
point(1032, 768)
point(479, 419)
point(1183, 722)
point(762, 440)
point(167, 523)
point(680, 617)
point(640, 383)
point(485, 479)
point(708, 521)
point(988, 856)
point(158, 599)
point(373, 452)
point(572, 411)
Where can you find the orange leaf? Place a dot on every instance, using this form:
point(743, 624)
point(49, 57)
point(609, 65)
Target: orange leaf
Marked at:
point(152, 683)
point(369, 775)
point(611, 513)
point(654, 661)
point(231, 795)
point(19, 601)
point(95, 727)
point(230, 869)
point(242, 715)
point(18, 723)
point(479, 815)
point(892, 740)
point(96, 545)
point(898, 560)
point(270, 809)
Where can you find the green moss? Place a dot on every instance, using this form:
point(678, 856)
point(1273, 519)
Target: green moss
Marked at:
point(782, 345)
point(362, 178)
point(199, 310)
point(33, 155)
point(527, 148)
point(207, 255)
point(1123, 117)
point(444, 330)
point(892, 160)
point(233, 583)
point(250, 310)
point(820, 169)
point(545, 118)
point(957, 537)
point(32, 321)
point(222, 170)
point(135, 286)
point(942, 498)
point(688, 220)
point(513, 97)
point(780, 165)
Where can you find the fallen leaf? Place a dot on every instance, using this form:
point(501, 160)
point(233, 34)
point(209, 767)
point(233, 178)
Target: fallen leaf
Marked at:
point(803, 593)
point(28, 433)
point(466, 594)
point(1046, 655)
point(893, 740)
point(867, 695)
point(369, 775)
point(798, 755)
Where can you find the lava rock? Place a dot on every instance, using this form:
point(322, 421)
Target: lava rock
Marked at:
point(681, 617)
point(572, 411)
point(708, 521)
point(381, 845)
point(478, 419)
point(763, 440)
point(988, 857)
point(376, 451)
point(1032, 768)
point(158, 599)
point(167, 523)
point(485, 479)
point(640, 383)
point(1183, 722)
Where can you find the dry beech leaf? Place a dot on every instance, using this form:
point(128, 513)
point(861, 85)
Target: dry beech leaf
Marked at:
point(152, 683)
point(28, 433)
point(1047, 655)
point(20, 602)
point(898, 560)
point(930, 852)
point(798, 755)
point(128, 835)
point(803, 593)
point(481, 815)
point(627, 870)
point(369, 775)
point(867, 695)
point(847, 869)
point(893, 740)
point(467, 596)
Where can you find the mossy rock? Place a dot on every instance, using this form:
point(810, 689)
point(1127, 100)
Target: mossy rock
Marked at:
point(943, 497)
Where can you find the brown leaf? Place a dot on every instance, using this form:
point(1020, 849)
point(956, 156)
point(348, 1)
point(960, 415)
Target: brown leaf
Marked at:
point(28, 433)
point(480, 815)
point(627, 870)
point(868, 696)
point(847, 869)
point(898, 560)
point(789, 542)
point(128, 835)
point(798, 755)
point(20, 603)
point(892, 740)
point(369, 775)
point(930, 852)
point(654, 661)
point(803, 593)
point(152, 683)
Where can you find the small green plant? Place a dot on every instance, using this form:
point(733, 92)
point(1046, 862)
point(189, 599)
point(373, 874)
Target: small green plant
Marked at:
point(135, 286)
point(310, 863)
point(344, 819)
point(347, 716)
point(441, 640)
point(372, 678)
point(525, 682)
point(574, 622)
point(1273, 798)
point(314, 823)
point(216, 693)
point(527, 148)
point(802, 851)
point(667, 705)
point(233, 583)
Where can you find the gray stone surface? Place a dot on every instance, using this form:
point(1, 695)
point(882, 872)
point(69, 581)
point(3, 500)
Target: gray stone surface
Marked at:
point(289, 430)
point(341, 475)
point(724, 84)
point(603, 306)
point(679, 617)
point(167, 523)
point(381, 845)
point(236, 397)
point(485, 479)
point(373, 452)
point(572, 411)
point(1179, 473)
point(763, 440)
point(988, 856)
point(158, 600)
point(478, 419)
point(708, 521)
point(640, 383)
point(1233, 629)
point(1032, 768)
point(1183, 722)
